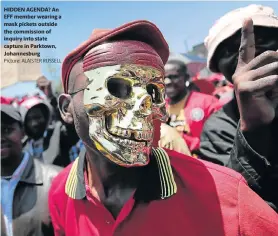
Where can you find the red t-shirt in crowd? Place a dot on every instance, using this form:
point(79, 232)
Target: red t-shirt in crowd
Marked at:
point(191, 114)
point(208, 200)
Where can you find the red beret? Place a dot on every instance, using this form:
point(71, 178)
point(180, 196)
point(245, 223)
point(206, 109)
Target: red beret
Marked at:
point(142, 30)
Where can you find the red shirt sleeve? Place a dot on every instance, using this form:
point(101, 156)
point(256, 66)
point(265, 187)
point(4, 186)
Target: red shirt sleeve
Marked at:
point(255, 216)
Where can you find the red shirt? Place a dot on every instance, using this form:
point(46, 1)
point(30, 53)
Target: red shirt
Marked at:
point(225, 93)
point(210, 200)
point(197, 109)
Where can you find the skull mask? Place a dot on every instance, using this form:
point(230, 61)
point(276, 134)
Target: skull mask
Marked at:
point(121, 102)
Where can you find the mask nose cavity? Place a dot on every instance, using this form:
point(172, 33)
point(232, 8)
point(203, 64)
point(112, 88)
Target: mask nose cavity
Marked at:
point(144, 106)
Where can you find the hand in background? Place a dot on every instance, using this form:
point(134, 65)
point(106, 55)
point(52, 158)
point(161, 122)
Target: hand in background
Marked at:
point(171, 139)
point(255, 82)
point(45, 86)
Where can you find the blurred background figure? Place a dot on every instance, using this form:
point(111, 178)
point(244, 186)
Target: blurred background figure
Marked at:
point(188, 108)
point(219, 131)
point(25, 182)
point(48, 138)
point(256, 160)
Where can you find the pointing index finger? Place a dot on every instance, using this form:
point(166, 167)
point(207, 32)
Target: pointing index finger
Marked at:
point(247, 46)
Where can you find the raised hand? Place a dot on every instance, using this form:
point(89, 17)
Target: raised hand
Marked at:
point(255, 81)
point(171, 139)
point(45, 86)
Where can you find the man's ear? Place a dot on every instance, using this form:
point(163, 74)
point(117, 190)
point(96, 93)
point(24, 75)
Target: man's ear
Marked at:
point(65, 107)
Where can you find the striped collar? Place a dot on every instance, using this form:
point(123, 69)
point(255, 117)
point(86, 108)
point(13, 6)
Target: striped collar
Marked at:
point(158, 181)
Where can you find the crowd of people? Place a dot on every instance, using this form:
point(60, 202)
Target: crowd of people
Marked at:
point(136, 146)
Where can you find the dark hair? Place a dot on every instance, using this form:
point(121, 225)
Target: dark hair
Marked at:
point(182, 68)
point(43, 107)
point(182, 65)
point(45, 110)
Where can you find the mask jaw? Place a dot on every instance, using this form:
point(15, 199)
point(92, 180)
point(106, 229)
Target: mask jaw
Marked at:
point(112, 147)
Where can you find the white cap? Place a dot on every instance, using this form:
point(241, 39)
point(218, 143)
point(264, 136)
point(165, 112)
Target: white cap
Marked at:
point(230, 23)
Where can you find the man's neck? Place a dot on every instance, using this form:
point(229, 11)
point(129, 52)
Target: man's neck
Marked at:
point(179, 97)
point(111, 175)
point(111, 184)
point(37, 138)
point(9, 165)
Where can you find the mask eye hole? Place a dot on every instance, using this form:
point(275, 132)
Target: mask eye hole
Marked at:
point(155, 93)
point(119, 88)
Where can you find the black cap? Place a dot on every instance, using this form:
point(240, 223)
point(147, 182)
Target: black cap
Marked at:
point(11, 111)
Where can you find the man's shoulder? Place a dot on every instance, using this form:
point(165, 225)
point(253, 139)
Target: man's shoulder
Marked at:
point(206, 102)
point(215, 118)
point(48, 169)
point(219, 120)
point(202, 169)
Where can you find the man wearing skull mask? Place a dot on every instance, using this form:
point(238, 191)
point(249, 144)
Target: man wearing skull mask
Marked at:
point(121, 185)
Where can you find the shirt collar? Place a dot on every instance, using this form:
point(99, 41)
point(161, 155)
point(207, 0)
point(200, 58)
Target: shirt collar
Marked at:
point(32, 173)
point(16, 176)
point(158, 182)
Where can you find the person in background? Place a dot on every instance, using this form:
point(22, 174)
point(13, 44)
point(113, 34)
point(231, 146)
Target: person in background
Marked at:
point(25, 182)
point(48, 140)
point(120, 184)
point(219, 131)
point(217, 139)
point(188, 109)
point(45, 86)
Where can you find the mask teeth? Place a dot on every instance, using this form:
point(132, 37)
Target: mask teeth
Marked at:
point(129, 142)
point(119, 132)
point(116, 139)
point(121, 141)
point(126, 133)
point(146, 135)
point(149, 135)
point(126, 142)
point(138, 135)
point(113, 130)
